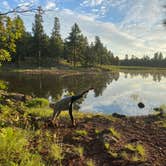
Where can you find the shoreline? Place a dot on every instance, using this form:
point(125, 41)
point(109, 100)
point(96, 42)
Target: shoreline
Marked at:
point(96, 140)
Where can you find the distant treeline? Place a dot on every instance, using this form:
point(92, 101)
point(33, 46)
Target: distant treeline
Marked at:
point(39, 49)
point(158, 60)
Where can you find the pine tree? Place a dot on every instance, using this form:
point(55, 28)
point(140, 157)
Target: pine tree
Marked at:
point(56, 42)
point(39, 37)
point(73, 43)
point(98, 50)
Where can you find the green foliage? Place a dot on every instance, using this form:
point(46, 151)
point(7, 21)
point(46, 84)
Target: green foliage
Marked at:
point(37, 102)
point(4, 55)
point(56, 42)
point(156, 61)
point(73, 44)
point(40, 39)
point(81, 132)
point(10, 31)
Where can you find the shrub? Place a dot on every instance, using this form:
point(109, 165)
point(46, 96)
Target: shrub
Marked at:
point(37, 102)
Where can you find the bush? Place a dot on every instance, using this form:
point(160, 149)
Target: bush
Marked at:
point(37, 102)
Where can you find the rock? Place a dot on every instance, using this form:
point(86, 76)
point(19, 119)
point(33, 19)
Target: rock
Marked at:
point(16, 96)
point(141, 105)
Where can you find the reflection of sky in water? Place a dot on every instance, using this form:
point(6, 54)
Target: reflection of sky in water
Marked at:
point(123, 95)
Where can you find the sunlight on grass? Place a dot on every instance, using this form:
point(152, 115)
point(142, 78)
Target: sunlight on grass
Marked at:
point(107, 145)
point(140, 149)
point(56, 152)
point(80, 151)
point(114, 132)
point(13, 143)
point(113, 154)
point(90, 162)
point(124, 155)
point(97, 131)
point(41, 112)
point(81, 132)
point(37, 103)
point(130, 147)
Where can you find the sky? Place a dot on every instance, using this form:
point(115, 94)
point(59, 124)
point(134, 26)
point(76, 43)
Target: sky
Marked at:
point(124, 26)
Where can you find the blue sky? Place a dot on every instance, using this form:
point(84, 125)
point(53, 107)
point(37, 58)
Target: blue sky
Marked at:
point(124, 26)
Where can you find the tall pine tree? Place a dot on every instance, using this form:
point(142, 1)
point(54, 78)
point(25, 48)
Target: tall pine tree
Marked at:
point(40, 43)
point(56, 42)
point(73, 43)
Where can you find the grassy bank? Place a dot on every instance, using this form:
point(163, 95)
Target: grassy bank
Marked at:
point(64, 67)
point(28, 137)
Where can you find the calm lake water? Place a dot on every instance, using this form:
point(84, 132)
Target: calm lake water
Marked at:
point(118, 92)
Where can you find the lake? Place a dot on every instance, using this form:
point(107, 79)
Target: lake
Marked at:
point(118, 92)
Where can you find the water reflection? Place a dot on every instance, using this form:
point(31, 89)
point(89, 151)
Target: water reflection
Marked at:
point(114, 92)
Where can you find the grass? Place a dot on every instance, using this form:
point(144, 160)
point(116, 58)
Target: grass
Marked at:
point(107, 145)
point(130, 147)
point(81, 132)
point(90, 162)
point(114, 133)
point(138, 151)
point(97, 131)
point(113, 154)
point(40, 112)
point(80, 151)
point(37, 102)
point(13, 148)
point(56, 152)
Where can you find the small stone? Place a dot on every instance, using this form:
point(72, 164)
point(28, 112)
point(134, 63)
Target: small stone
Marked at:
point(141, 105)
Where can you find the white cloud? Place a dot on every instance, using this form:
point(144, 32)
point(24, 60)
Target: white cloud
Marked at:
point(6, 5)
point(92, 3)
point(138, 33)
point(50, 5)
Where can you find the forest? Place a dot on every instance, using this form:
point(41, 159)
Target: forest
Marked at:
point(36, 48)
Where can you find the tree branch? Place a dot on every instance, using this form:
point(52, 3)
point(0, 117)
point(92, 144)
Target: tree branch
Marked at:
point(20, 9)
